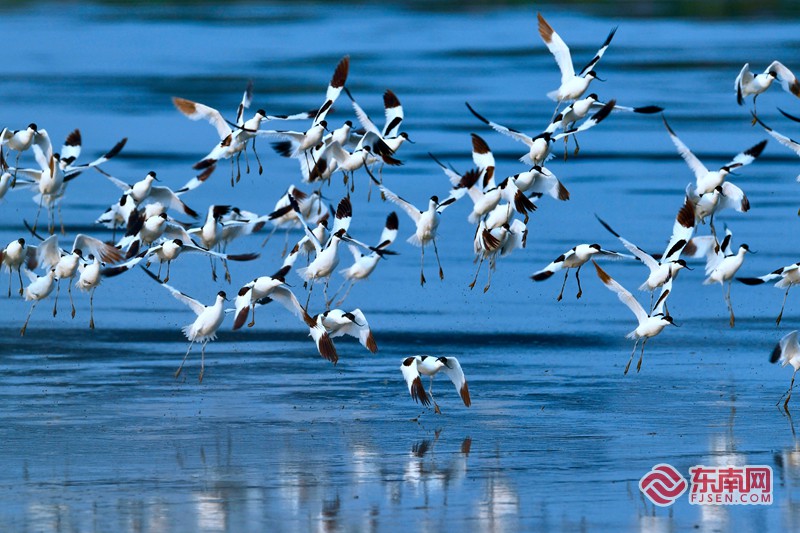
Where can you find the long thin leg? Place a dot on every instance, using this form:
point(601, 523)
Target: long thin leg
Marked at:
point(271, 233)
point(91, 309)
point(577, 146)
point(160, 264)
point(232, 173)
point(325, 293)
point(178, 372)
point(71, 301)
point(25, 325)
point(169, 264)
point(335, 294)
point(246, 159)
point(436, 253)
point(491, 267)
point(435, 405)
point(753, 123)
point(471, 285)
point(36, 218)
point(347, 292)
point(19, 275)
point(227, 272)
point(561, 294)
point(728, 301)
point(641, 356)
point(213, 268)
point(310, 288)
point(10, 278)
point(422, 267)
point(55, 302)
point(203, 360)
point(633, 352)
point(788, 394)
point(253, 319)
point(260, 168)
point(578, 277)
point(780, 315)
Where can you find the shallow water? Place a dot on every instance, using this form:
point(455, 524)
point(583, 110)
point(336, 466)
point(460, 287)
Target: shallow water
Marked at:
point(98, 435)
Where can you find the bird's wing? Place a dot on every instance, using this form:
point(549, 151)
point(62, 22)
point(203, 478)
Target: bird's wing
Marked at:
point(748, 156)
point(166, 196)
point(624, 295)
point(558, 48)
point(196, 181)
point(47, 252)
point(413, 380)
point(553, 267)
point(783, 139)
point(394, 114)
point(196, 111)
point(666, 290)
point(193, 304)
point(389, 233)
point(590, 65)
point(71, 149)
point(335, 87)
point(118, 182)
point(455, 194)
point(590, 122)
point(364, 332)
point(514, 134)
point(72, 171)
point(640, 254)
point(481, 153)
point(412, 211)
point(682, 231)
point(309, 233)
point(42, 149)
point(453, 370)
point(697, 167)
point(176, 231)
point(787, 349)
point(788, 80)
point(744, 77)
point(344, 215)
point(518, 235)
point(362, 116)
point(733, 197)
point(247, 99)
point(285, 297)
point(105, 252)
point(701, 246)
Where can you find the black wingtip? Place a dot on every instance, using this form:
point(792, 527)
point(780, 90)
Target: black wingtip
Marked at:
point(776, 354)
point(477, 115)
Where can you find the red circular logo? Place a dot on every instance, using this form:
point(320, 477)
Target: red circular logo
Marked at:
point(663, 485)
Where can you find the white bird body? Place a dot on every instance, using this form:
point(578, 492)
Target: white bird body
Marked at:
point(747, 83)
point(649, 325)
point(40, 286)
point(574, 258)
point(787, 351)
point(426, 365)
point(338, 323)
point(90, 276)
point(572, 85)
point(19, 140)
point(708, 180)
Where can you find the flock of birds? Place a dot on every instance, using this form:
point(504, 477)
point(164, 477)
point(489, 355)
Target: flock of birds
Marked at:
point(500, 212)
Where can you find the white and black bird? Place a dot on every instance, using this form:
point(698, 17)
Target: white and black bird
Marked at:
point(303, 142)
point(708, 180)
point(144, 191)
point(572, 85)
point(787, 351)
point(234, 137)
point(747, 83)
point(17, 141)
point(205, 326)
point(13, 257)
point(338, 322)
point(539, 146)
point(39, 288)
point(575, 258)
point(722, 263)
point(273, 287)
point(789, 143)
point(425, 365)
point(67, 262)
point(489, 242)
point(427, 223)
point(786, 276)
point(669, 264)
point(364, 264)
point(168, 250)
point(649, 325)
